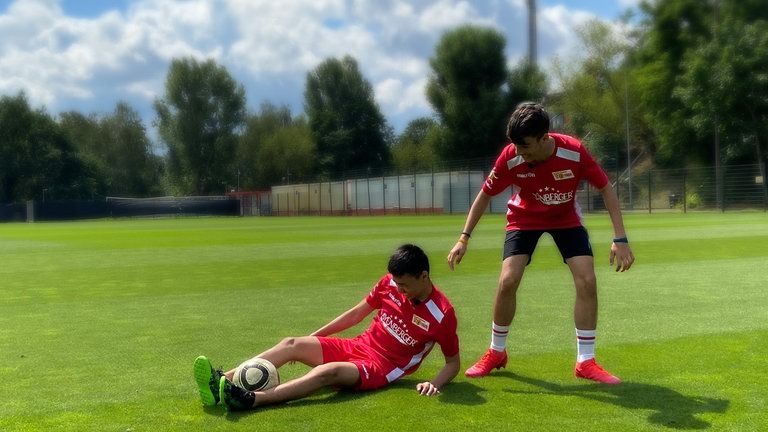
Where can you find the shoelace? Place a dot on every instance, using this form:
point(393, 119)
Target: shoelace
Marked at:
point(213, 383)
point(487, 360)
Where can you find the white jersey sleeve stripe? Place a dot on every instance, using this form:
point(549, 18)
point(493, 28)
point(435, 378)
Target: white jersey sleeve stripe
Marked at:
point(568, 154)
point(515, 161)
point(394, 374)
point(435, 311)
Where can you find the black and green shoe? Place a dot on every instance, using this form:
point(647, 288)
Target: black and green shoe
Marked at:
point(207, 380)
point(234, 397)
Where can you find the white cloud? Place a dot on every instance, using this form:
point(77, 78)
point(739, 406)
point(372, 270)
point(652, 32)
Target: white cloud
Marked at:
point(402, 96)
point(89, 64)
point(445, 14)
point(556, 29)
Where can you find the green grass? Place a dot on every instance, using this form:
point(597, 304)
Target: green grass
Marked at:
point(100, 322)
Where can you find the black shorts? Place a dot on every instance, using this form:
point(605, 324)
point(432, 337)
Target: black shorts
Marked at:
point(570, 241)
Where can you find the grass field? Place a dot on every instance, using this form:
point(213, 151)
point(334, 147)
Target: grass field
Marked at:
point(100, 322)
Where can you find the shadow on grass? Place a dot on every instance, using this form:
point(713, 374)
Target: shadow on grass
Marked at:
point(322, 397)
point(461, 393)
point(670, 408)
point(455, 392)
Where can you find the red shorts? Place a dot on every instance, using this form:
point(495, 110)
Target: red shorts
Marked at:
point(375, 370)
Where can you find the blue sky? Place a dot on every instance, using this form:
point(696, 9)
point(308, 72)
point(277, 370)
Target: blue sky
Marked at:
point(82, 8)
point(604, 9)
point(87, 55)
point(92, 8)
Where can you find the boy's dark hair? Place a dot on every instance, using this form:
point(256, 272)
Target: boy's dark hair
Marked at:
point(528, 120)
point(408, 259)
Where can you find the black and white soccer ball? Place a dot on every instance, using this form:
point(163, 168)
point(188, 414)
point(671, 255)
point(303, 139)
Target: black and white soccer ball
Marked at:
point(256, 374)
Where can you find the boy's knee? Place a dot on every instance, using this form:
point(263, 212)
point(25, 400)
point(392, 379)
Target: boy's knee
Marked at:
point(288, 343)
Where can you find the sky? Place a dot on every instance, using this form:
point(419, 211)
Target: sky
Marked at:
point(88, 55)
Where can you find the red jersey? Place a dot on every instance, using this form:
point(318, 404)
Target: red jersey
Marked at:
point(405, 333)
point(544, 194)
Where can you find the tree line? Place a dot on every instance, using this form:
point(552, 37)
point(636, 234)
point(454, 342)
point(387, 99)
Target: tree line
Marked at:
point(685, 86)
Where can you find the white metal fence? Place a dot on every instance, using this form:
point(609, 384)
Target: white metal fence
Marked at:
point(742, 187)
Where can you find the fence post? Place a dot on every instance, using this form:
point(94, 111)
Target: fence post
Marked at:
point(650, 193)
point(469, 188)
point(761, 166)
point(432, 184)
point(450, 192)
point(399, 201)
point(685, 191)
point(368, 187)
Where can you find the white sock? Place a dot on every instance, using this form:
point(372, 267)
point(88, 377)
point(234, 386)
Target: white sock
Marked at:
point(499, 337)
point(585, 344)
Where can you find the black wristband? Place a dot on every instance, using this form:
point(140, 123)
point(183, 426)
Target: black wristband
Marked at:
point(466, 234)
point(621, 240)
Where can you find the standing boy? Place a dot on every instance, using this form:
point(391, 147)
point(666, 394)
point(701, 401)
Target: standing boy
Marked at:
point(544, 170)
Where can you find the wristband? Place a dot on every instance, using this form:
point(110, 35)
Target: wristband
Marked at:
point(463, 240)
point(466, 234)
point(620, 240)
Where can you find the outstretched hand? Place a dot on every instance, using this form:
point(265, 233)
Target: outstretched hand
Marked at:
point(456, 254)
point(427, 389)
point(622, 255)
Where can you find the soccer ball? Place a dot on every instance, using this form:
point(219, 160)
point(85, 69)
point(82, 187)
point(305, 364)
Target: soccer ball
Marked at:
point(256, 374)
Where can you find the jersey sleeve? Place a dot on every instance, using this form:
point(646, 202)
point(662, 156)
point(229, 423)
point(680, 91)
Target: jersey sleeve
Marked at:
point(374, 296)
point(499, 179)
point(593, 173)
point(448, 339)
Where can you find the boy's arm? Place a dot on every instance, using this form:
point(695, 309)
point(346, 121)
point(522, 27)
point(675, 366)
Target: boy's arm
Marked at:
point(446, 374)
point(473, 217)
point(346, 320)
point(621, 253)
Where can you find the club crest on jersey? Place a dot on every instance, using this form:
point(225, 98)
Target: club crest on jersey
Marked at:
point(420, 322)
point(563, 175)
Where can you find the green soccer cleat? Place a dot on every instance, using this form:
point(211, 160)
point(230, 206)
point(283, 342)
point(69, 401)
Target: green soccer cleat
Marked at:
point(207, 380)
point(234, 397)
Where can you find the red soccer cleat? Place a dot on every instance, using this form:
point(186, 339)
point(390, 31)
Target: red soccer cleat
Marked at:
point(590, 370)
point(492, 359)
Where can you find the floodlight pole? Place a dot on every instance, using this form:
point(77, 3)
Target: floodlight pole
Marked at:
point(629, 154)
point(532, 32)
point(718, 165)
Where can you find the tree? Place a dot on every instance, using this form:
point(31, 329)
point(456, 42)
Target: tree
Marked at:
point(466, 91)
point(135, 169)
point(288, 154)
point(724, 84)
point(198, 120)
point(526, 82)
point(594, 95)
point(117, 144)
point(414, 149)
point(83, 132)
point(691, 62)
point(275, 148)
point(670, 29)
point(350, 132)
point(37, 160)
